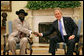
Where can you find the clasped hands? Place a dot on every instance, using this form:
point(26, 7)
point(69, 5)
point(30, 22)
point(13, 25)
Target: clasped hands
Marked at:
point(72, 37)
point(37, 34)
point(40, 35)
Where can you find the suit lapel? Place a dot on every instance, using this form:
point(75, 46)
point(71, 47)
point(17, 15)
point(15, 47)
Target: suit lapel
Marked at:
point(56, 24)
point(65, 23)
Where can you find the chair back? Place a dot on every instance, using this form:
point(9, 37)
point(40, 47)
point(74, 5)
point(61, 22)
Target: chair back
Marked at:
point(10, 26)
point(74, 20)
point(79, 26)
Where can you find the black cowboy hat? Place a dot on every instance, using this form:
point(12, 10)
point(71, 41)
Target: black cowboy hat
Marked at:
point(21, 11)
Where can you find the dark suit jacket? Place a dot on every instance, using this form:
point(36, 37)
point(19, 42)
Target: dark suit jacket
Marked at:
point(70, 27)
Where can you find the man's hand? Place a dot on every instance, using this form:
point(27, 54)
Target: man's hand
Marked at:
point(71, 37)
point(37, 34)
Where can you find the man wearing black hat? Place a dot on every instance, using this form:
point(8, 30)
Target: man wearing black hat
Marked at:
point(21, 30)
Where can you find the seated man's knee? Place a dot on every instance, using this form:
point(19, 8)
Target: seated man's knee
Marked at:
point(24, 39)
point(52, 39)
point(10, 39)
point(71, 41)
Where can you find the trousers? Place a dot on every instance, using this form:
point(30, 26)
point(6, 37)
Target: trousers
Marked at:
point(12, 44)
point(70, 44)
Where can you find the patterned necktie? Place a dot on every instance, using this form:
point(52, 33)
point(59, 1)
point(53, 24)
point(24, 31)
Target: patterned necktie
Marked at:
point(61, 29)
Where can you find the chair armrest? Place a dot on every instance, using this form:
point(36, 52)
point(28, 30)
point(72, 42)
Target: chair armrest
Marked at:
point(30, 41)
point(80, 38)
point(5, 35)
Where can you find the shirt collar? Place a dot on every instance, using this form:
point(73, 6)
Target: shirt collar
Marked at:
point(61, 19)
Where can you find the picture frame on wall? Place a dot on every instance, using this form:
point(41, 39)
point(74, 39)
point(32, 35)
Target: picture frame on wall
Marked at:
point(6, 6)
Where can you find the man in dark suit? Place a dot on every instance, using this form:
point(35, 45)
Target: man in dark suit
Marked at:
point(66, 30)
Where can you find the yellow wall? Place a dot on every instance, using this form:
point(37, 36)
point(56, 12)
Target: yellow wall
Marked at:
point(16, 5)
point(81, 16)
point(81, 10)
